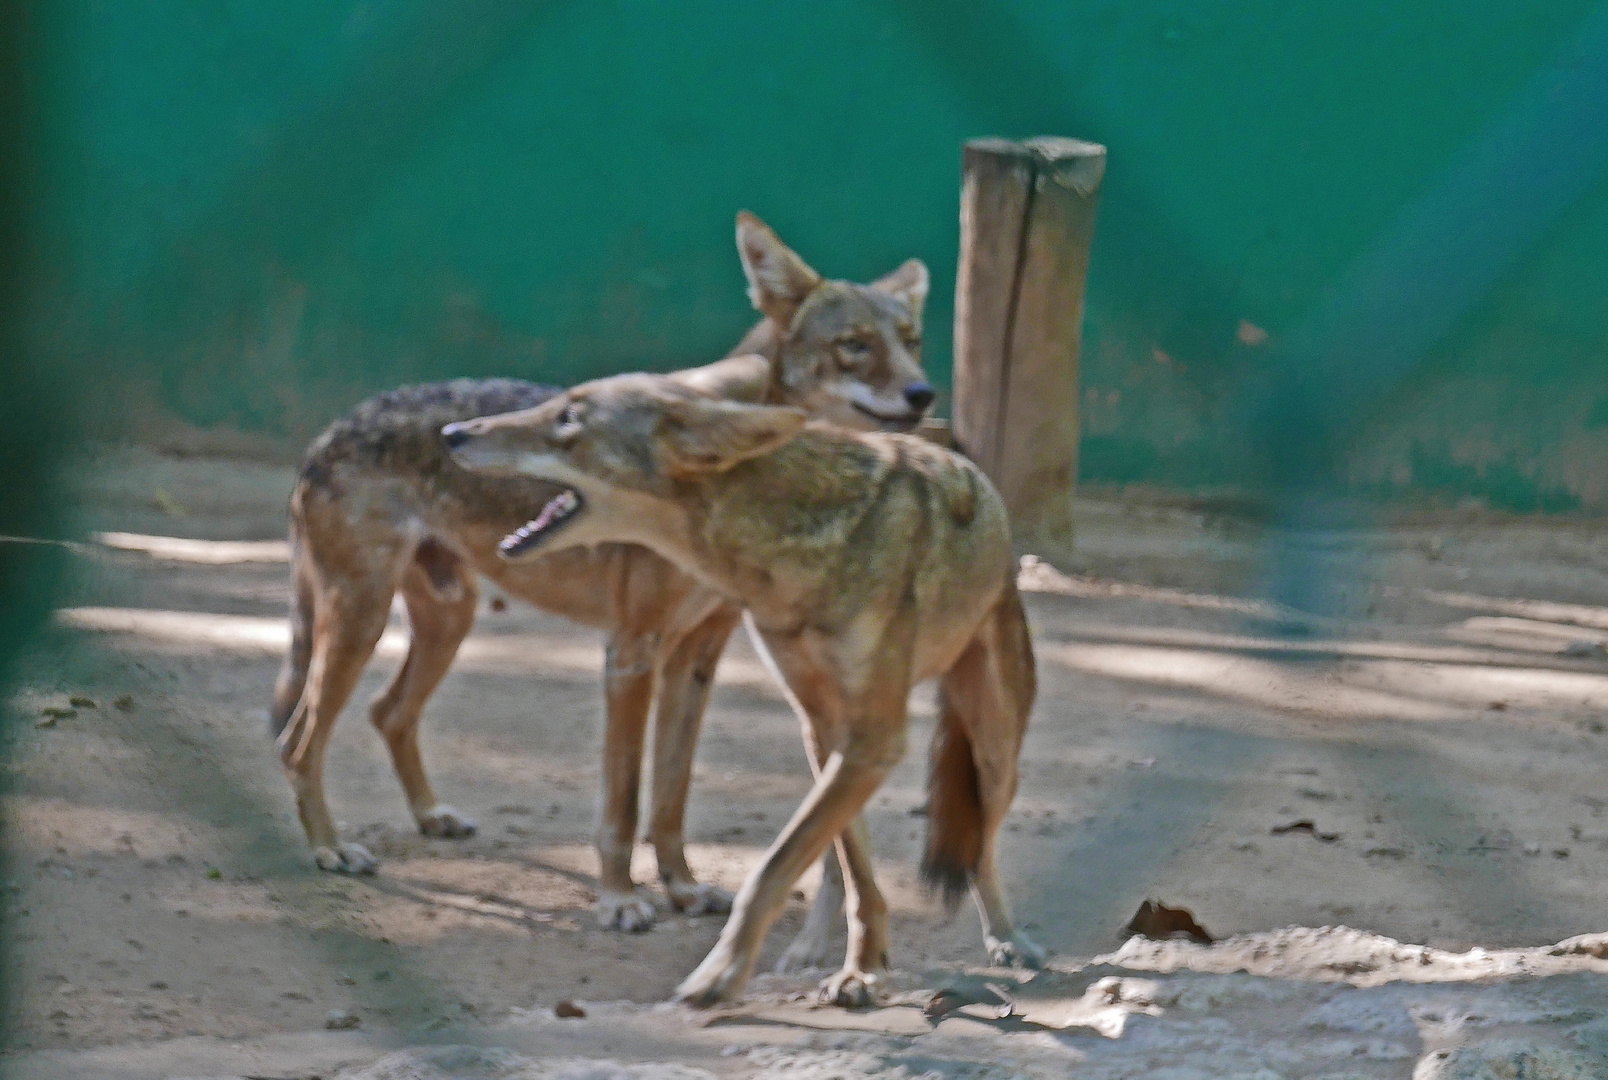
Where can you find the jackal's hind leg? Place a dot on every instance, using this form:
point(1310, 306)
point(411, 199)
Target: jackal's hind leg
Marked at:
point(1007, 945)
point(350, 616)
point(991, 690)
point(812, 946)
point(866, 954)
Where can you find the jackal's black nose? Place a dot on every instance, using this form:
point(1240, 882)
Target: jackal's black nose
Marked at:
point(455, 435)
point(919, 395)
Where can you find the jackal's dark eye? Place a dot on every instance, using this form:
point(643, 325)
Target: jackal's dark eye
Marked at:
point(568, 424)
point(853, 351)
point(912, 342)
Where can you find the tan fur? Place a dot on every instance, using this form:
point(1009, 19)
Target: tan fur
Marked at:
point(381, 509)
point(868, 562)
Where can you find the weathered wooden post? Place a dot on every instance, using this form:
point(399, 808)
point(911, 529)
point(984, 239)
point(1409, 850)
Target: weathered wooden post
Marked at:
point(1026, 218)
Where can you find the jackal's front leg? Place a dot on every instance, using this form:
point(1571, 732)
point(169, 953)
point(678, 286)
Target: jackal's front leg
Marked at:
point(685, 678)
point(628, 690)
point(873, 719)
point(440, 618)
point(845, 785)
point(815, 700)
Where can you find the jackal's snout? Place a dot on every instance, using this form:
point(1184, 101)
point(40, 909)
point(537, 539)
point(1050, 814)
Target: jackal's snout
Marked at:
point(919, 395)
point(522, 443)
point(486, 442)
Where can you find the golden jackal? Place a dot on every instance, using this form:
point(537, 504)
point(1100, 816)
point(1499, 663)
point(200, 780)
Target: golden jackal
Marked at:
point(381, 508)
point(868, 563)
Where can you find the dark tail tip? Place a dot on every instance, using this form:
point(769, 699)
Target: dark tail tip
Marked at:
point(946, 879)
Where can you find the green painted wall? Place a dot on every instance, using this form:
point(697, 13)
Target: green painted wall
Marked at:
point(258, 213)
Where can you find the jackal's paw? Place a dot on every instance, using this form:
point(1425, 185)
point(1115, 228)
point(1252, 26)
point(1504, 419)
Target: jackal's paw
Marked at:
point(632, 911)
point(721, 977)
point(345, 858)
point(698, 897)
point(812, 949)
point(445, 821)
point(1016, 951)
point(850, 988)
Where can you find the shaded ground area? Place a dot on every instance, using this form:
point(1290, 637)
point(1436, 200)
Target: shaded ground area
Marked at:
point(1447, 751)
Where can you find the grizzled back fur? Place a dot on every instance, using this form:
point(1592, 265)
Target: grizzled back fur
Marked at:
point(400, 430)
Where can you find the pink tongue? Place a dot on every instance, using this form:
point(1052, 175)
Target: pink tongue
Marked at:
point(555, 506)
point(514, 543)
point(560, 506)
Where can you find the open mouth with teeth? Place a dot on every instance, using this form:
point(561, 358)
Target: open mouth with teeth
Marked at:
point(560, 510)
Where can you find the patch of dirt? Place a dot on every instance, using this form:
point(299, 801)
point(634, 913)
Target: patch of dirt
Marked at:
point(159, 893)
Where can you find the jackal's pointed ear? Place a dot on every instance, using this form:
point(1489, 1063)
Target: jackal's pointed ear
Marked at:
point(712, 436)
point(778, 280)
point(908, 285)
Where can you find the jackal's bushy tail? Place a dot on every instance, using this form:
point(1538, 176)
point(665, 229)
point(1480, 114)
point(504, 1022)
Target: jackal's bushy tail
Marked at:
point(984, 698)
point(293, 675)
point(954, 806)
